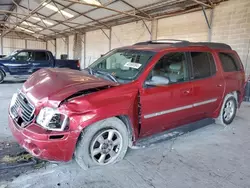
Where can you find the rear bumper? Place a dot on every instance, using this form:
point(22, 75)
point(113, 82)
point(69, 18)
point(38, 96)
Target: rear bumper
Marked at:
point(40, 144)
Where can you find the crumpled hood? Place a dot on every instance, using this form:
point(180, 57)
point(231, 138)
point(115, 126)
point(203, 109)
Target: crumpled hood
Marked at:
point(55, 85)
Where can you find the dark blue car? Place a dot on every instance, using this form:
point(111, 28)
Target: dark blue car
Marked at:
point(22, 63)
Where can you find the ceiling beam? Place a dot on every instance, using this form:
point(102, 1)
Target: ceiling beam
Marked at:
point(25, 18)
point(142, 12)
point(107, 8)
point(201, 3)
point(15, 2)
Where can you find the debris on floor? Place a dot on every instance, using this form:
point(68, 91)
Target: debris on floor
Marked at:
point(14, 161)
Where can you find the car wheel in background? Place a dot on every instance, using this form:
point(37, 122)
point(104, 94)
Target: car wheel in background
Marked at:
point(1, 76)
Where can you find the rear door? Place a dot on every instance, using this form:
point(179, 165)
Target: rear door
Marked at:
point(208, 83)
point(20, 63)
point(40, 60)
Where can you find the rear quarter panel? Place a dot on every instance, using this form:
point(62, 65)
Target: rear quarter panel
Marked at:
point(234, 81)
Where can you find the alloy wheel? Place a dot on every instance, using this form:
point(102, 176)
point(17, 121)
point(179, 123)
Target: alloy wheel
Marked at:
point(229, 110)
point(105, 147)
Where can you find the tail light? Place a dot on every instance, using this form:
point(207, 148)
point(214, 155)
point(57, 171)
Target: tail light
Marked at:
point(78, 64)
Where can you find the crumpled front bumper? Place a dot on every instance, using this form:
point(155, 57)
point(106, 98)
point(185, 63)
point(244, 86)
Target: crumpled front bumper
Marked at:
point(47, 145)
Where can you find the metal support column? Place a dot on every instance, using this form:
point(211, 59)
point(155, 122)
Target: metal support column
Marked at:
point(84, 46)
point(110, 37)
point(26, 45)
point(209, 22)
point(211, 26)
point(55, 49)
point(1, 45)
point(154, 26)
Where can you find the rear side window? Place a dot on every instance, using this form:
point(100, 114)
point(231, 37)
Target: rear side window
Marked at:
point(203, 65)
point(229, 62)
point(41, 56)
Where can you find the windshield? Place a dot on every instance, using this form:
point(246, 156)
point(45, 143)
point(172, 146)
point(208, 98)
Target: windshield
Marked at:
point(11, 54)
point(123, 64)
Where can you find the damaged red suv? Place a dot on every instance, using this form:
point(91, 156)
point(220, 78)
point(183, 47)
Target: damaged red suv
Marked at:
point(124, 98)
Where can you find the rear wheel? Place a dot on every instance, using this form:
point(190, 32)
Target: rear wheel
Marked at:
point(103, 143)
point(1, 76)
point(228, 110)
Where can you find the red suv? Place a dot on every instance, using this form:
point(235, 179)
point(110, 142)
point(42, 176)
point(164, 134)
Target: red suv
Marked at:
point(127, 95)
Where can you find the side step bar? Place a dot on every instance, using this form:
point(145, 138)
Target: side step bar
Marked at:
point(172, 133)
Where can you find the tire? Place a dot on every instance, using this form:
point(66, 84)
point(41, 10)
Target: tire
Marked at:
point(97, 147)
point(228, 110)
point(1, 76)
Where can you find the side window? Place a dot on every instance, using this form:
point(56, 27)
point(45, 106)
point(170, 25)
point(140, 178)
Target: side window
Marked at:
point(172, 66)
point(203, 65)
point(229, 62)
point(23, 56)
point(41, 56)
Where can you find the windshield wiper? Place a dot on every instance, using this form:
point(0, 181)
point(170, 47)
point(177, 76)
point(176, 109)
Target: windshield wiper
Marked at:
point(110, 76)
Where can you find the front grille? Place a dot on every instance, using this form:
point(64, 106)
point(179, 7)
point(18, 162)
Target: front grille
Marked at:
point(21, 108)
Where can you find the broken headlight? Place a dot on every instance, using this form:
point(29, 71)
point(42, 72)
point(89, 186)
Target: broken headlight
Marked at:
point(52, 119)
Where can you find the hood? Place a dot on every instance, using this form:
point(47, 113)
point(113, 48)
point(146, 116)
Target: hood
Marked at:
point(55, 85)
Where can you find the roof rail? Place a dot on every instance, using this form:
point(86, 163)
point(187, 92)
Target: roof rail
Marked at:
point(162, 41)
point(184, 43)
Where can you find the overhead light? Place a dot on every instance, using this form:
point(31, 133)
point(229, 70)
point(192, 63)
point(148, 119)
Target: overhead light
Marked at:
point(31, 25)
point(51, 7)
point(93, 2)
point(25, 29)
point(39, 19)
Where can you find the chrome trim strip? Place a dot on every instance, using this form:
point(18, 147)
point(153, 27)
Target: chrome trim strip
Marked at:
point(179, 108)
point(167, 111)
point(204, 102)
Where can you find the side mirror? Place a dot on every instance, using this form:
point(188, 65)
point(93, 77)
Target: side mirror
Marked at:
point(13, 58)
point(157, 81)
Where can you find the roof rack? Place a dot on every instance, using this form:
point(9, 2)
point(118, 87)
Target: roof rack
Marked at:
point(184, 43)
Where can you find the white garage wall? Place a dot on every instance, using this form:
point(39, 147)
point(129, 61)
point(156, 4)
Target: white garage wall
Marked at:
point(231, 25)
point(11, 44)
point(36, 44)
point(130, 33)
point(191, 26)
point(61, 47)
point(96, 44)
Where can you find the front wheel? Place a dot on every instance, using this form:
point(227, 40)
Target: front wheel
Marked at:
point(228, 111)
point(102, 143)
point(1, 76)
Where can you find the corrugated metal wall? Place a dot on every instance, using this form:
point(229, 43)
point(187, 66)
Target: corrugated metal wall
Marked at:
point(36, 44)
point(61, 47)
point(11, 44)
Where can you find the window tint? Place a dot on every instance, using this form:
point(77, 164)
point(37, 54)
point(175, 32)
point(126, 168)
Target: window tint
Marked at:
point(229, 62)
point(172, 66)
point(41, 56)
point(203, 64)
point(23, 56)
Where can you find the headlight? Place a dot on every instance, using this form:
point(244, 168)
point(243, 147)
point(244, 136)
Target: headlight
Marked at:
point(52, 119)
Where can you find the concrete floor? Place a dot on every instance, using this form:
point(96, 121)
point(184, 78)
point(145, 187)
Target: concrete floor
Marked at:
point(211, 157)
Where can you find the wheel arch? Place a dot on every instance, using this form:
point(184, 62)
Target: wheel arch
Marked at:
point(1, 70)
point(124, 118)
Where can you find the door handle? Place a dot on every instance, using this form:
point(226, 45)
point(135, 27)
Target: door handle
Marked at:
point(219, 85)
point(186, 91)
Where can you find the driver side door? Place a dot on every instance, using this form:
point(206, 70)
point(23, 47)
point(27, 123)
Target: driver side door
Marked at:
point(20, 63)
point(167, 106)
